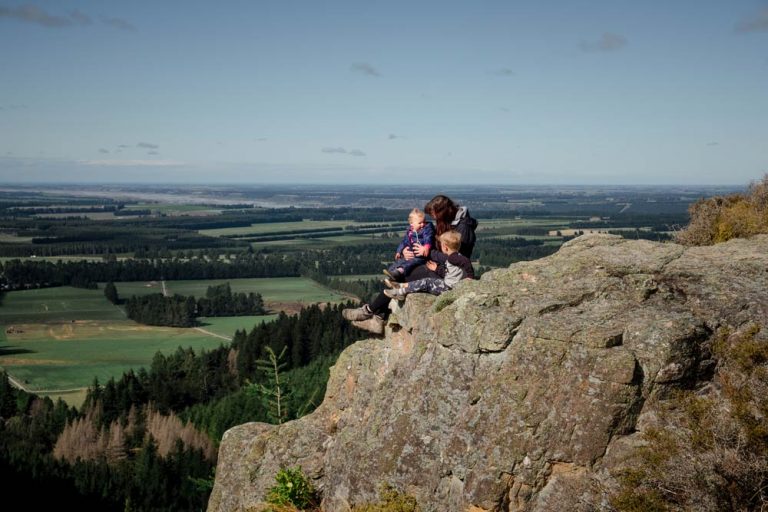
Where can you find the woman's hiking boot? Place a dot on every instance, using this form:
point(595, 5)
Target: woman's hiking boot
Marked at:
point(357, 314)
point(374, 324)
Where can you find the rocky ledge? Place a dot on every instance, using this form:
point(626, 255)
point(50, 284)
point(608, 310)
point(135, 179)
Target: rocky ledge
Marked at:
point(518, 391)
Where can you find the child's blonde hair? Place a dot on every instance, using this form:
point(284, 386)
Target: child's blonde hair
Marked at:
point(416, 214)
point(450, 240)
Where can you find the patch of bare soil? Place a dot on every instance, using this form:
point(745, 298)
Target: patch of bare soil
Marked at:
point(13, 361)
point(289, 308)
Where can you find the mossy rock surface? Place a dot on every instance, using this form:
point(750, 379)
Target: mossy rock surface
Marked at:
point(524, 390)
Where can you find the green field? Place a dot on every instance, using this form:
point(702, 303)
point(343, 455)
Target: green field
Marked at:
point(321, 242)
point(9, 238)
point(88, 215)
point(361, 277)
point(522, 222)
point(500, 227)
point(274, 289)
point(67, 355)
point(227, 325)
point(174, 208)
point(57, 305)
point(278, 227)
point(63, 304)
point(487, 228)
point(56, 340)
point(74, 398)
point(54, 259)
point(127, 289)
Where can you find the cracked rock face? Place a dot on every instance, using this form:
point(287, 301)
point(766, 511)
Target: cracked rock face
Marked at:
point(508, 392)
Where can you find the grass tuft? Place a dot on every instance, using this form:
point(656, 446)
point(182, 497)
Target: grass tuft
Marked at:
point(722, 218)
point(711, 453)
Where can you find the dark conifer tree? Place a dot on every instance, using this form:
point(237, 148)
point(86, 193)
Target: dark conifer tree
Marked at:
point(110, 292)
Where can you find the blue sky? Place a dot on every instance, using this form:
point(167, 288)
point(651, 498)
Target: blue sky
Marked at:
point(512, 92)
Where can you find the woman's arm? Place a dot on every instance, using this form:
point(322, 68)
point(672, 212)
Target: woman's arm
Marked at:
point(438, 256)
point(466, 227)
point(421, 250)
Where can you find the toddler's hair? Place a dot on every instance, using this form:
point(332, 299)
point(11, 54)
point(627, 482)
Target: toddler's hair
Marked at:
point(451, 240)
point(416, 214)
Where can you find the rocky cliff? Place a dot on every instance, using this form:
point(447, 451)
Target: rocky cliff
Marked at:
point(519, 391)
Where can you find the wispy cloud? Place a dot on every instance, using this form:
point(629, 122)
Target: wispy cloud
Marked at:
point(34, 14)
point(103, 151)
point(132, 163)
point(364, 68)
point(713, 143)
point(80, 17)
point(340, 150)
point(503, 72)
point(260, 139)
point(756, 23)
point(608, 42)
point(146, 145)
point(392, 136)
point(152, 153)
point(119, 23)
point(38, 16)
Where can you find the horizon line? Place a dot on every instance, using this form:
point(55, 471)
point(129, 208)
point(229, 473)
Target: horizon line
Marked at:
point(360, 184)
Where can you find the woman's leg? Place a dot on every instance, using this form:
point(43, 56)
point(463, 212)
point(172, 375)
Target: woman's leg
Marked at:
point(409, 265)
point(421, 272)
point(380, 305)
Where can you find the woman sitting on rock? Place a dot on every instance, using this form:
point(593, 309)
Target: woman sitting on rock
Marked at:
point(448, 216)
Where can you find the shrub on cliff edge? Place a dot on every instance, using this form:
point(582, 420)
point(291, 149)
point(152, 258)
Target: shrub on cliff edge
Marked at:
point(710, 450)
point(721, 218)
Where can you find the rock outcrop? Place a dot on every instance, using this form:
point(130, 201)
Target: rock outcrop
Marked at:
point(518, 391)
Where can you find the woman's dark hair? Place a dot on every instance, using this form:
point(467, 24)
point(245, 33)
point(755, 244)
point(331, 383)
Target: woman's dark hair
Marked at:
point(443, 210)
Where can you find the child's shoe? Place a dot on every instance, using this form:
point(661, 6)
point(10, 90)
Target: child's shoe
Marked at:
point(396, 293)
point(393, 274)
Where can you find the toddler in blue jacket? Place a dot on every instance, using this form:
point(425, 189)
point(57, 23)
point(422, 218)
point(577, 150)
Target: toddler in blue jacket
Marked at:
point(457, 267)
point(419, 238)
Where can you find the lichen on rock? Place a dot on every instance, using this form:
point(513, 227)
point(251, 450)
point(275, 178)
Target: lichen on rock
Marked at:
point(507, 393)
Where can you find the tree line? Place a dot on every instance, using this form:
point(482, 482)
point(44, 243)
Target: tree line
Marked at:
point(133, 475)
point(19, 274)
point(501, 252)
point(319, 264)
point(181, 311)
point(78, 235)
point(182, 379)
point(118, 451)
